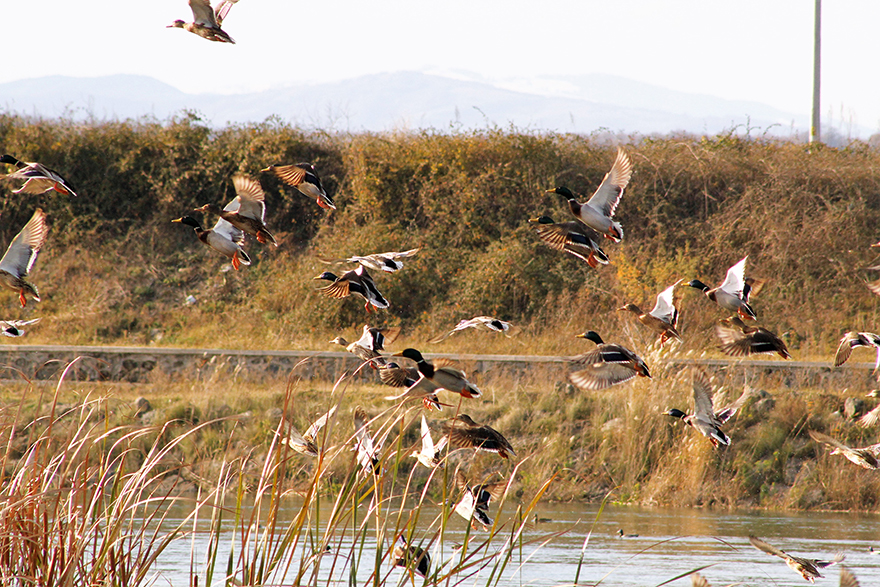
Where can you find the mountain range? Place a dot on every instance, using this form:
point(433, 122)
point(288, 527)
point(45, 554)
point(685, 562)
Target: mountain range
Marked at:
point(412, 100)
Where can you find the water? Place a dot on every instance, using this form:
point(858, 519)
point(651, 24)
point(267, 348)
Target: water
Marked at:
point(670, 542)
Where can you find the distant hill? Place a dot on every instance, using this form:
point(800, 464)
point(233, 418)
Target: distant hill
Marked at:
point(411, 100)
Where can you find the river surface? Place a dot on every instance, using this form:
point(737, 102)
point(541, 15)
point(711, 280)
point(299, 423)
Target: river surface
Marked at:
point(670, 542)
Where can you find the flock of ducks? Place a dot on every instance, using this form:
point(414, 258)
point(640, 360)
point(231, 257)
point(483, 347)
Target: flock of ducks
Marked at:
point(606, 365)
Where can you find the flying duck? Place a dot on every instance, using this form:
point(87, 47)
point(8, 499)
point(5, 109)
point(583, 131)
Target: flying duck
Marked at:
point(574, 238)
point(21, 255)
point(807, 567)
point(207, 21)
point(705, 419)
point(38, 179)
point(307, 443)
point(247, 211)
point(304, 178)
point(463, 432)
point(484, 323)
point(598, 211)
point(733, 293)
point(223, 238)
point(606, 365)
point(663, 319)
point(357, 281)
point(388, 262)
point(738, 339)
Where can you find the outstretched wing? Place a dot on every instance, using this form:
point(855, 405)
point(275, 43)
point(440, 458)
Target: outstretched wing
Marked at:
point(735, 279)
point(21, 255)
point(607, 196)
point(761, 545)
point(665, 308)
point(251, 197)
point(312, 432)
point(203, 14)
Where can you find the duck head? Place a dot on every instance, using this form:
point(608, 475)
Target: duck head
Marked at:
point(411, 354)
point(697, 284)
point(630, 308)
point(189, 221)
point(676, 413)
point(177, 24)
point(541, 220)
point(591, 335)
point(327, 276)
point(562, 191)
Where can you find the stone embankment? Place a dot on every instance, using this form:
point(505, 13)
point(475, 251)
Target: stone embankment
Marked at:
point(143, 364)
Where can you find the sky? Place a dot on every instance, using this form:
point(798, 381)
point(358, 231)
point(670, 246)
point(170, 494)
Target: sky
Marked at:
point(744, 49)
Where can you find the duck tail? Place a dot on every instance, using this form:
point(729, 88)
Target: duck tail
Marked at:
point(616, 231)
point(243, 257)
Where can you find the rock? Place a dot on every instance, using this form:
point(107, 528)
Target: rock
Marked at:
point(853, 407)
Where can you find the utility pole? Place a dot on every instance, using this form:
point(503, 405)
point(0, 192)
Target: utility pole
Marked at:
point(815, 135)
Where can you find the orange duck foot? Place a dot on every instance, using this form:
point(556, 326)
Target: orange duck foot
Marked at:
point(235, 262)
point(22, 299)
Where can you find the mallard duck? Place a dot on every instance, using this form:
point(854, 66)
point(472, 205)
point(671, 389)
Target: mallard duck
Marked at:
point(733, 293)
point(484, 323)
point(738, 339)
point(663, 319)
point(574, 238)
point(705, 419)
point(304, 178)
point(431, 453)
point(483, 493)
point(597, 212)
point(367, 448)
point(463, 432)
point(21, 255)
point(207, 21)
point(307, 443)
point(620, 534)
point(411, 557)
point(12, 328)
point(852, 340)
point(388, 262)
point(38, 179)
point(467, 508)
point(442, 375)
point(807, 567)
point(357, 281)
point(247, 211)
point(866, 457)
point(367, 347)
point(606, 365)
point(223, 238)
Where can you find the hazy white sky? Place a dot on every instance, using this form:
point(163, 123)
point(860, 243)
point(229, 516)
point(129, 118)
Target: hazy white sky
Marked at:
point(742, 49)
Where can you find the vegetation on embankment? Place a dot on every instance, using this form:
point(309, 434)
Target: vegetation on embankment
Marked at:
point(115, 270)
point(617, 443)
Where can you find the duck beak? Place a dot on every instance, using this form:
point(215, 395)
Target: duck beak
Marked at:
point(177, 220)
point(579, 336)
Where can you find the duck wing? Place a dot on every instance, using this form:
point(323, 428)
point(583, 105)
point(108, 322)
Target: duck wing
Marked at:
point(315, 428)
point(734, 281)
point(251, 197)
point(608, 194)
point(22, 253)
point(222, 9)
point(761, 545)
point(203, 14)
point(703, 408)
point(665, 308)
